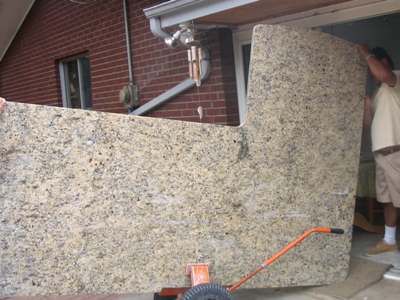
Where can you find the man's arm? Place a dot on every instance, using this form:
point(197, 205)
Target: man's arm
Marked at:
point(377, 68)
point(367, 120)
point(3, 104)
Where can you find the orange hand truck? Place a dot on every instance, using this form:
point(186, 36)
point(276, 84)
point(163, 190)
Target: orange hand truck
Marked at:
point(203, 289)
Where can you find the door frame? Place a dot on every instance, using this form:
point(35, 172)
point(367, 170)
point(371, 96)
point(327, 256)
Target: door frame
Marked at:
point(334, 14)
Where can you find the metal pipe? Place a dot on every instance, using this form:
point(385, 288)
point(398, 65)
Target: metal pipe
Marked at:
point(176, 90)
point(128, 41)
point(164, 97)
point(156, 29)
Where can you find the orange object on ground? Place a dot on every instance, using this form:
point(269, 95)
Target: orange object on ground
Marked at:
point(283, 251)
point(199, 273)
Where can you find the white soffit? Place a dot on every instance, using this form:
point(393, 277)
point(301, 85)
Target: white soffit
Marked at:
point(179, 11)
point(349, 11)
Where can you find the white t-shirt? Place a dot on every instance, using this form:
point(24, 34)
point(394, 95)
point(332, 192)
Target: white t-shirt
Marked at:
point(385, 129)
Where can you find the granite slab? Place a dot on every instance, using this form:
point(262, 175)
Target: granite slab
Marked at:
point(96, 202)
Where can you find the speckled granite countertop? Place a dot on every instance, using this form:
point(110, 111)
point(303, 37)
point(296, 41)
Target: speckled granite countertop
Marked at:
point(104, 203)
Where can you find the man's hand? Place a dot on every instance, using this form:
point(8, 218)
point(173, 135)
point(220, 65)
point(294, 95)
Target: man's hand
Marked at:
point(3, 104)
point(379, 70)
point(363, 49)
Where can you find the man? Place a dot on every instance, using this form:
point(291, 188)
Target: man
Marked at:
point(385, 132)
point(2, 104)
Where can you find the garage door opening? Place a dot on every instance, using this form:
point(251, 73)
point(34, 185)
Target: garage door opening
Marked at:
point(369, 221)
point(374, 31)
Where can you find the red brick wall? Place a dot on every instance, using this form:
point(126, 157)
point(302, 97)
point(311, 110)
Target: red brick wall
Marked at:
point(57, 29)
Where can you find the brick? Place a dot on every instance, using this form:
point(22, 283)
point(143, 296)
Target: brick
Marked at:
point(54, 30)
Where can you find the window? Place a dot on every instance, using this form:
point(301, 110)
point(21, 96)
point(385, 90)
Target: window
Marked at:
point(75, 82)
point(242, 48)
point(246, 48)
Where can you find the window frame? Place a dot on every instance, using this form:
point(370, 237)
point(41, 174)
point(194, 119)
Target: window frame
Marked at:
point(63, 70)
point(241, 38)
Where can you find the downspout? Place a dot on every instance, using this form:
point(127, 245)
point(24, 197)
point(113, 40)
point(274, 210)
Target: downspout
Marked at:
point(155, 26)
point(128, 42)
point(129, 93)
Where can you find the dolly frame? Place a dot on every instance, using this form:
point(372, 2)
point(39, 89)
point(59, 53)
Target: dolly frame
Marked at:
point(199, 273)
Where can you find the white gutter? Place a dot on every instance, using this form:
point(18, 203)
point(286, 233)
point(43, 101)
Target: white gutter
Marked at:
point(176, 90)
point(175, 12)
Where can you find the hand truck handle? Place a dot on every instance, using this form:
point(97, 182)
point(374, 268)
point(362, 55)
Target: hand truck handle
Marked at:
point(283, 251)
point(337, 230)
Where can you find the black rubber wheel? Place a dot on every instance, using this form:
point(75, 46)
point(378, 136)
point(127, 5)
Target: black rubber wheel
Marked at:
point(209, 291)
point(158, 297)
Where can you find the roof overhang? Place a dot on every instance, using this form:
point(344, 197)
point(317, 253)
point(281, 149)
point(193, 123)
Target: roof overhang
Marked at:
point(242, 12)
point(12, 15)
point(179, 11)
point(229, 12)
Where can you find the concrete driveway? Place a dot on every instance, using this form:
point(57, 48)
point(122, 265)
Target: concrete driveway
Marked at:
point(384, 289)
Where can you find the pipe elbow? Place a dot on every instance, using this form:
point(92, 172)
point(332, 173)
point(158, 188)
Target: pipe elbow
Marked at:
point(206, 65)
point(156, 29)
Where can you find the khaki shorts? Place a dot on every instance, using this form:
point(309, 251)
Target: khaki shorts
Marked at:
point(388, 178)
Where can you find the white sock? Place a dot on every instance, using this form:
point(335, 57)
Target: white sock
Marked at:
point(390, 235)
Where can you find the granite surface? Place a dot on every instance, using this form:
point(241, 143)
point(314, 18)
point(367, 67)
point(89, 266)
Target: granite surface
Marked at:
point(104, 203)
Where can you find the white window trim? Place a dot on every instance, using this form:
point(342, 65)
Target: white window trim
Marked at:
point(66, 99)
point(62, 84)
point(240, 39)
point(333, 14)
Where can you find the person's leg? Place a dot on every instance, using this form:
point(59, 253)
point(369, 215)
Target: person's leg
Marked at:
point(384, 191)
point(390, 213)
point(391, 209)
